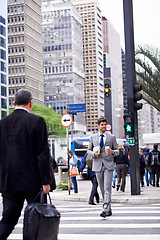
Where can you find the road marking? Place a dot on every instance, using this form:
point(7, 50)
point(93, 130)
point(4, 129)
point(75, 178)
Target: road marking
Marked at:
point(112, 218)
point(95, 237)
point(126, 226)
point(114, 211)
point(106, 236)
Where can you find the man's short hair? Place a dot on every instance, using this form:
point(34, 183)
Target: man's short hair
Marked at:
point(102, 119)
point(155, 146)
point(23, 97)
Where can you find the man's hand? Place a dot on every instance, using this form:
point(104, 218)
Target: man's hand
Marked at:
point(81, 175)
point(97, 153)
point(46, 188)
point(109, 151)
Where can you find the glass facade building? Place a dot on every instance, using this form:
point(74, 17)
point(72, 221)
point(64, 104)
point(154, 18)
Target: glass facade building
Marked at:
point(63, 58)
point(3, 60)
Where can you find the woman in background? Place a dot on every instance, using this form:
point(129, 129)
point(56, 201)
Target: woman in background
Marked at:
point(73, 163)
point(121, 164)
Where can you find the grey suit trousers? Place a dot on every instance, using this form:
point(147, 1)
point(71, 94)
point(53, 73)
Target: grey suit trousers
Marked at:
point(104, 178)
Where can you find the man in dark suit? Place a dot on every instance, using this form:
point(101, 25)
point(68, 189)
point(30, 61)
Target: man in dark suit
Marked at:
point(92, 176)
point(24, 160)
point(103, 146)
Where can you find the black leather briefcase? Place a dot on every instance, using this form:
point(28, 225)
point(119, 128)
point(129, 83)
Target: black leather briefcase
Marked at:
point(41, 220)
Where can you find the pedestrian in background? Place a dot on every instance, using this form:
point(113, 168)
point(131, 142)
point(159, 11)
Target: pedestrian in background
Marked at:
point(154, 163)
point(141, 167)
point(73, 164)
point(103, 146)
point(92, 176)
point(121, 165)
point(114, 177)
point(148, 170)
point(24, 160)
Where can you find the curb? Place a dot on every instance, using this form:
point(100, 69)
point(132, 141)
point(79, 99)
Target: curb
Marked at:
point(124, 200)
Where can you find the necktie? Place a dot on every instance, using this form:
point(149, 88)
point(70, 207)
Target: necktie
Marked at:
point(101, 141)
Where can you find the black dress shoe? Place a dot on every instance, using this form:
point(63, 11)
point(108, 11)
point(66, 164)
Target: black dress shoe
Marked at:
point(97, 200)
point(108, 213)
point(103, 214)
point(117, 187)
point(92, 203)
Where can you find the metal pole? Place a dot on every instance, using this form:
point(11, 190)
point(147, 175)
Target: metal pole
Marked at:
point(72, 128)
point(131, 80)
point(69, 187)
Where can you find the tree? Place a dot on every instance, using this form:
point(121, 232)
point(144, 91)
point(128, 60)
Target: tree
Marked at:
point(52, 119)
point(148, 74)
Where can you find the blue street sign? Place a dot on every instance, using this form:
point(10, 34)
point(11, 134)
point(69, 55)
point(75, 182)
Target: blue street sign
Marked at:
point(73, 108)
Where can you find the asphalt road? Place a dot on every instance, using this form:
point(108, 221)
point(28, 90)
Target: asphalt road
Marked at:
point(82, 221)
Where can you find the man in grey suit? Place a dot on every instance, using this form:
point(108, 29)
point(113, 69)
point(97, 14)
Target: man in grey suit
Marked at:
point(103, 147)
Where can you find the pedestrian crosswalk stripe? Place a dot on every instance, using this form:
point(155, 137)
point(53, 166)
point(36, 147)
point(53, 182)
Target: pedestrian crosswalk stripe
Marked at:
point(113, 218)
point(94, 237)
point(15, 236)
point(149, 225)
point(85, 225)
point(105, 236)
point(113, 207)
point(114, 211)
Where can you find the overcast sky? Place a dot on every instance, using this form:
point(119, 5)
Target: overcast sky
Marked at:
point(146, 15)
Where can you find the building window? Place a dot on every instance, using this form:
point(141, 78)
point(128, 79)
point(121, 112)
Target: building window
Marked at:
point(3, 78)
point(3, 91)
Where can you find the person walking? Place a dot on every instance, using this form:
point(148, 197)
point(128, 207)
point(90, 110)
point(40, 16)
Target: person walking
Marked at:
point(24, 160)
point(73, 164)
point(103, 146)
point(92, 176)
point(114, 177)
point(154, 163)
point(148, 171)
point(121, 164)
point(141, 167)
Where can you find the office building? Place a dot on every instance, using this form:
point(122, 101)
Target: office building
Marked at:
point(93, 60)
point(63, 58)
point(3, 60)
point(25, 59)
point(148, 121)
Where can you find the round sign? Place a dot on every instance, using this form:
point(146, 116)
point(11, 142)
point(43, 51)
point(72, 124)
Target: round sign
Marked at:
point(109, 127)
point(66, 120)
point(109, 132)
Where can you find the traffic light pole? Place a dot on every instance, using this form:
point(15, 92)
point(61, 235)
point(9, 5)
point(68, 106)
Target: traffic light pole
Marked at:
point(131, 81)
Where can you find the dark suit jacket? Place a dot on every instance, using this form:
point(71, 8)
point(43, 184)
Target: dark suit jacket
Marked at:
point(24, 153)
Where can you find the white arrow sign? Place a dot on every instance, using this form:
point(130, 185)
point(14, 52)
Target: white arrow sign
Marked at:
point(66, 120)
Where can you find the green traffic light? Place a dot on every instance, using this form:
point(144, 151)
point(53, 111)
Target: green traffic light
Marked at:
point(128, 128)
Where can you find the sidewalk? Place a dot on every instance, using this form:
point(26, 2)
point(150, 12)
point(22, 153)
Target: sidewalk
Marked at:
point(149, 194)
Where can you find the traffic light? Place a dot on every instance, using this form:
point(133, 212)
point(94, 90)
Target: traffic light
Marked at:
point(107, 90)
point(137, 97)
point(128, 124)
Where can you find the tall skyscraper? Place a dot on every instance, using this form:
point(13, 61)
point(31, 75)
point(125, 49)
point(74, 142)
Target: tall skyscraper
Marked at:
point(113, 60)
point(63, 58)
point(3, 60)
point(25, 57)
point(93, 60)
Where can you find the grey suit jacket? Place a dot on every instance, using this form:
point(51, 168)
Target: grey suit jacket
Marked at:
point(107, 159)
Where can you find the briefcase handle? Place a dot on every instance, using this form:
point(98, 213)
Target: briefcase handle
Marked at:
point(43, 197)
